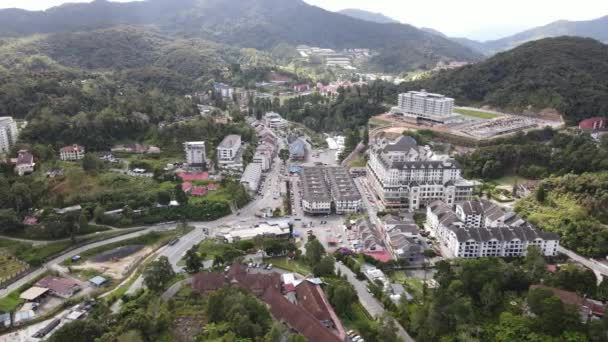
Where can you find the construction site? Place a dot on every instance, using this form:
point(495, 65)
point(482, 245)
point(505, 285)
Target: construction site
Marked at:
point(467, 128)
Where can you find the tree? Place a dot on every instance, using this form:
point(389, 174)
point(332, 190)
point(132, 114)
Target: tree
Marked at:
point(180, 196)
point(535, 264)
point(341, 296)
point(193, 260)
point(541, 194)
point(85, 330)
point(158, 274)
point(387, 330)
point(83, 221)
point(22, 196)
point(284, 155)
point(163, 198)
point(98, 213)
point(325, 267)
point(314, 251)
point(90, 164)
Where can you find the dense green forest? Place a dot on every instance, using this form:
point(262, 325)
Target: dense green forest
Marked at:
point(536, 155)
point(491, 300)
point(350, 109)
point(260, 24)
point(548, 73)
point(574, 206)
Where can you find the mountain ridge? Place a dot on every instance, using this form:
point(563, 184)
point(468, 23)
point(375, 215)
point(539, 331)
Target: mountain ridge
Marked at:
point(259, 24)
point(368, 16)
point(547, 73)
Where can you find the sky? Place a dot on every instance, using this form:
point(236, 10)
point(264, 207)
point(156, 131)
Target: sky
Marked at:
point(475, 19)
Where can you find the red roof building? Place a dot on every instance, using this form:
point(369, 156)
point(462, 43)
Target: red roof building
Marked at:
point(587, 307)
point(382, 256)
point(198, 191)
point(186, 187)
point(594, 124)
point(267, 287)
point(193, 176)
point(61, 287)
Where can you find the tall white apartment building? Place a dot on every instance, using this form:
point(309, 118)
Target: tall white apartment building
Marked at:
point(230, 153)
point(406, 176)
point(8, 133)
point(427, 106)
point(195, 153)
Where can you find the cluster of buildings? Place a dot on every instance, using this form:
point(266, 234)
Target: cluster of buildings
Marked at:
point(395, 238)
point(332, 88)
point(265, 152)
point(299, 303)
point(407, 176)
point(8, 134)
point(329, 189)
point(475, 229)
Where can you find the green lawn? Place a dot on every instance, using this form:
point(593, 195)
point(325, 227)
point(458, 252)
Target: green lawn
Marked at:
point(480, 114)
point(10, 302)
point(414, 286)
point(379, 122)
point(358, 162)
point(290, 265)
point(510, 180)
point(40, 233)
point(9, 265)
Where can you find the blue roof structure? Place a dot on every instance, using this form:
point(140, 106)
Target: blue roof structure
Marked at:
point(98, 281)
point(297, 149)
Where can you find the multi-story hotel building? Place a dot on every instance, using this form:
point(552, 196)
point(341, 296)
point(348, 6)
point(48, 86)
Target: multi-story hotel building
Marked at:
point(426, 106)
point(407, 176)
point(230, 153)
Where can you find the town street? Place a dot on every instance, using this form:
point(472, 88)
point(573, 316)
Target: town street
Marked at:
point(369, 302)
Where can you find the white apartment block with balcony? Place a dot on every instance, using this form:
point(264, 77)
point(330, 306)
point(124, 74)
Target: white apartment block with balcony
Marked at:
point(467, 240)
point(72, 153)
point(230, 153)
point(196, 154)
point(406, 176)
point(8, 134)
point(252, 176)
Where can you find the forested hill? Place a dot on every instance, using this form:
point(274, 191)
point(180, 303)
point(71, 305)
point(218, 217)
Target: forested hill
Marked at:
point(565, 73)
point(260, 24)
point(369, 16)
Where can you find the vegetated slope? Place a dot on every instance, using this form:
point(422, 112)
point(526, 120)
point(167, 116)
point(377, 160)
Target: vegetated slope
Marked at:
point(565, 73)
point(260, 24)
point(596, 29)
point(369, 16)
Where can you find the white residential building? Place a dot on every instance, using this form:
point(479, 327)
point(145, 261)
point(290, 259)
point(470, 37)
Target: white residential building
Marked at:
point(407, 176)
point(230, 153)
point(426, 106)
point(25, 163)
point(8, 133)
point(511, 239)
point(252, 176)
point(275, 121)
point(265, 160)
point(72, 153)
point(196, 154)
